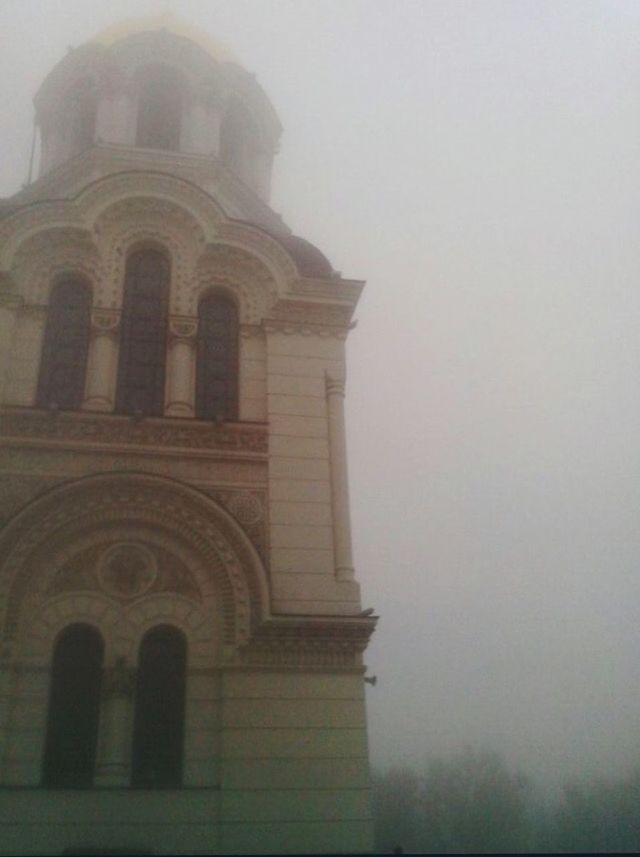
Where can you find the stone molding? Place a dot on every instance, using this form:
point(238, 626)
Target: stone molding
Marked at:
point(110, 429)
point(174, 207)
point(182, 328)
point(105, 322)
point(303, 312)
point(308, 642)
point(293, 328)
point(46, 533)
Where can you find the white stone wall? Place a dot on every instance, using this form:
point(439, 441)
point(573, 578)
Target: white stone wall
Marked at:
point(275, 756)
point(292, 766)
point(302, 537)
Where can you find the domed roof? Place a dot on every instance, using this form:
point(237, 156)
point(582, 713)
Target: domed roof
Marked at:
point(311, 262)
point(171, 24)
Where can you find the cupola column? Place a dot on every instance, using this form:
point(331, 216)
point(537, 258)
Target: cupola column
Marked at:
point(102, 360)
point(181, 366)
point(339, 480)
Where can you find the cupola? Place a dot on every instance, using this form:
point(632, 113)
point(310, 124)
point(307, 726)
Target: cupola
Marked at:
point(157, 84)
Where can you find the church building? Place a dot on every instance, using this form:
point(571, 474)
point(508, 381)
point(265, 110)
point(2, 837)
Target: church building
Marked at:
point(181, 633)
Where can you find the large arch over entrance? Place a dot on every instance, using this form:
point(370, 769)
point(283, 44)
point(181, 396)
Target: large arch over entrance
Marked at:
point(92, 546)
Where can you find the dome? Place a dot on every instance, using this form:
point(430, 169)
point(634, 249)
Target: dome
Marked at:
point(171, 24)
point(310, 260)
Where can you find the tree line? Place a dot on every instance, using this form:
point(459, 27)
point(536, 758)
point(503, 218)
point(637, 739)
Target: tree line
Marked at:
point(472, 802)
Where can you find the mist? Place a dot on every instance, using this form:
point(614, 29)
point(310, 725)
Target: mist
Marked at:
point(477, 163)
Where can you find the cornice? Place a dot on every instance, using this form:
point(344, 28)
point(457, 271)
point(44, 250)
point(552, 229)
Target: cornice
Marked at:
point(83, 429)
point(307, 641)
point(104, 159)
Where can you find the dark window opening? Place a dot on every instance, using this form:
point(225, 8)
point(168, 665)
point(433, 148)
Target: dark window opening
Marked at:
point(141, 366)
point(82, 125)
point(158, 732)
point(65, 347)
point(160, 112)
point(74, 709)
point(217, 359)
point(238, 140)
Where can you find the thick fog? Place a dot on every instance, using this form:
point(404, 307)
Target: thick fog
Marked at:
point(477, 163)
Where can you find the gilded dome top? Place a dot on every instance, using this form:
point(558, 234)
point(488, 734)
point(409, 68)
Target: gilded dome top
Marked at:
point(170, 23)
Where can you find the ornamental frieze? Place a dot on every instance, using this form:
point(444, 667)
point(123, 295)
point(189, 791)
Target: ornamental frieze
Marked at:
point(249, 510)
point(302, 312)
point(110, 429)
point(326, 643)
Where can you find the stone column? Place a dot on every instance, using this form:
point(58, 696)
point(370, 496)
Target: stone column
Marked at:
point(102, 360)
point(9, 306)
point(181, 367)
point(113, 766)
point(21, 378)
point(339, 479)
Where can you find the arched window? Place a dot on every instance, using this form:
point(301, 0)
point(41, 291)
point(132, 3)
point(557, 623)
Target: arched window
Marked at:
point(158, 731)
point(82, 120)
point(143, 338)
point(74, 707)
point(217, 359)
point(238, 139)
point(160, 111)
point(66, 342)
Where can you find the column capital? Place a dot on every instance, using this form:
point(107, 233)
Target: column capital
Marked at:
point(182, 328)
point(105, 322)
point(119, 680)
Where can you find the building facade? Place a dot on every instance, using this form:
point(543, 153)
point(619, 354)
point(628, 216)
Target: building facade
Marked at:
point(181, 633)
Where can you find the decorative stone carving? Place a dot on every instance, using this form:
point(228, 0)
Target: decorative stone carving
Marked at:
point(263, 246)
point(53, 253)
point(232, 268)
point(182, 327)
point(333, 643)
point(135, 220)
point(304, 313)
point(111, 562)
point(139, 183)
point(15, 227)
point(246, 508)
point(157, 432)
point(302, 329)
point(29, 544)
point(127, 570)
point(16, 490)
point(105, 322)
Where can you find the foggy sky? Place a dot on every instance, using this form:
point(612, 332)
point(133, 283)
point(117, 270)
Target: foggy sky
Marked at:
point(477, 163)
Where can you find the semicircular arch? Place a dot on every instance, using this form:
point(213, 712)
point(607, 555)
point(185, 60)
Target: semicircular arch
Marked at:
point(46, 533)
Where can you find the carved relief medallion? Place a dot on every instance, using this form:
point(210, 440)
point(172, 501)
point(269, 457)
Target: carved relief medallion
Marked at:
point(127, 570)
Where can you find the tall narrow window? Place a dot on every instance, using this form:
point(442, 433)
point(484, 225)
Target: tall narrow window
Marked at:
point(143, 339)
point(238, 138)
point(160, 111)
point(158, 732)
point(217, 359)
point(82, 120)
point(74, 706)
point(66, 342)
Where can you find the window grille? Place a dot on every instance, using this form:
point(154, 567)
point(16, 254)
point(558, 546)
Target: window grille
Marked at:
point(217, 359)
point(158, 734)
point(74, 709)
point(160, 112)
point(66, 344)
point(141, 367)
